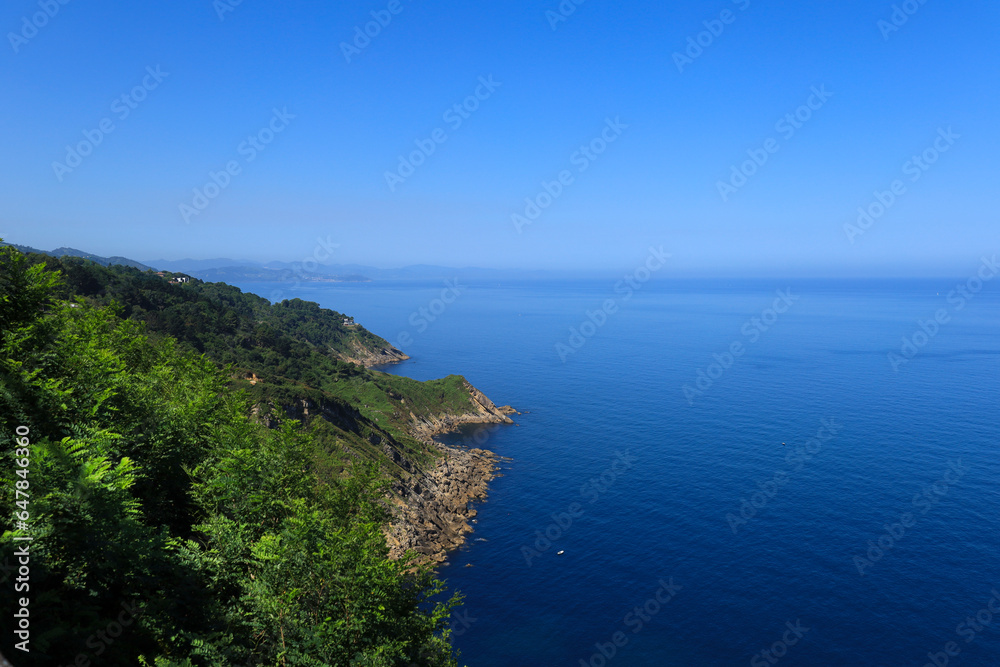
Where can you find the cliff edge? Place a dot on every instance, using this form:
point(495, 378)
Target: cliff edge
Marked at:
point(434, 507)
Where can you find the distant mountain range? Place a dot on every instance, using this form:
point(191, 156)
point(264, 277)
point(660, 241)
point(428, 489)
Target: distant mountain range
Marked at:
point(227, 270)
point(265, 275)
point(73, 252)
point(232, 269)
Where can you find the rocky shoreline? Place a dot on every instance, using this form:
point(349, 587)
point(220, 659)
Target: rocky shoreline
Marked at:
point(368, 358)
point(434, 508)
point(485, 412)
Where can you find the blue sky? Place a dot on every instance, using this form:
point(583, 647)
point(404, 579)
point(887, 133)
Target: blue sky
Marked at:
point(226, 68)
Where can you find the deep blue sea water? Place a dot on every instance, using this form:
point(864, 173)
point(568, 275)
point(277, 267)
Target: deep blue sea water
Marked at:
point(909, 457)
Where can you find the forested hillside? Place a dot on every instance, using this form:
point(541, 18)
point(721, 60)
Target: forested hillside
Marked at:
point(293, 356)
point(178, 513)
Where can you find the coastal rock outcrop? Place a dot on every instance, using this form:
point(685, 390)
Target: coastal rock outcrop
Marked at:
point(434, 506)
point(432, 499)
point(433, 510)
point(368, 357)
point(483, 412)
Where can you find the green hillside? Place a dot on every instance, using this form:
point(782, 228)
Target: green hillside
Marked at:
point(293, 356)
point(169, 494)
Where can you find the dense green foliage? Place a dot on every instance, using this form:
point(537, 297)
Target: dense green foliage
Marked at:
point(169, 527)
point(298, 350)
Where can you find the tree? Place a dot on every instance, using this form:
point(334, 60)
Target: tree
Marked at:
point(160, 507)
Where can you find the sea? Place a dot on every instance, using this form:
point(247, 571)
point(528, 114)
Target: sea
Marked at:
point(719, 472)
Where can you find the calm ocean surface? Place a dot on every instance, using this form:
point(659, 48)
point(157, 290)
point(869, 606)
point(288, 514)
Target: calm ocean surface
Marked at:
point(889, 472)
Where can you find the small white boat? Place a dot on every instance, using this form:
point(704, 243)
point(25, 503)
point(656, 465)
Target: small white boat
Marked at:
point(560, 553)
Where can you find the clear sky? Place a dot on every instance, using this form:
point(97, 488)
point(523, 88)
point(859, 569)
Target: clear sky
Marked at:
point(889, 91)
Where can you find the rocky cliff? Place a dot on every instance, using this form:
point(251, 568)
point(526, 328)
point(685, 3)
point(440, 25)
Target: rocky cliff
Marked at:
point(433, 484)
point(434, 507)
point(483, 412)
point(368, 356)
